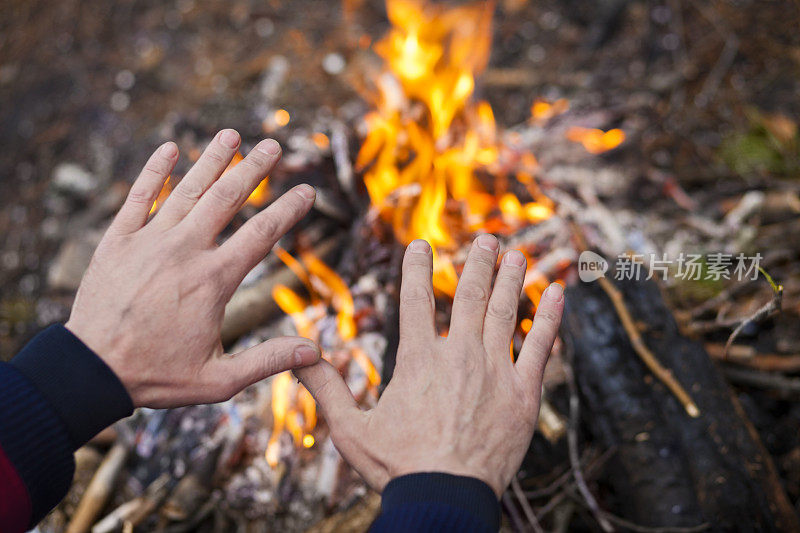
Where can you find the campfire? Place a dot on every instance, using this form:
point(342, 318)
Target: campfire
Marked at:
point(423, 156)
point(437, 167)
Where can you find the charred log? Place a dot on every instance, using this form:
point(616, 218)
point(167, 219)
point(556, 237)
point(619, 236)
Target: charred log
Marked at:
point(669, 469)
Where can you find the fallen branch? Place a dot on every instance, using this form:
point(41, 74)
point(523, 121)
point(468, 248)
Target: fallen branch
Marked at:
point(663, 374)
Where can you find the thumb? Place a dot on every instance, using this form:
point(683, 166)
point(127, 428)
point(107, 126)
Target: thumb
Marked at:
point(348, 423)
point(332, 394)
point(266, 359)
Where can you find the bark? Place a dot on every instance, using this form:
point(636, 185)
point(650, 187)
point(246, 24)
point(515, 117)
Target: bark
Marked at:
point(668, 469)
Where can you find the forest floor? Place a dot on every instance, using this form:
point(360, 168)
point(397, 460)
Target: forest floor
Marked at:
point(89, 88)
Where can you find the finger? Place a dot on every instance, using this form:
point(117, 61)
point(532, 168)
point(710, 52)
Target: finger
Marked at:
point(144, 191)
point(501, 313)
point(226, 196)
point(416, 294)
point(214, 160)
point(472, 293)
point(253, 241)
point(539, 341)
point(333, 396)
point(261, 361)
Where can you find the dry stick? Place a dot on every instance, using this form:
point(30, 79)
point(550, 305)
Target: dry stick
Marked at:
point(644, 353)
point(572, 443)
point(98, 491)
point(762, 380)
point(747, 356)
point(641, 349)
point(526, 506)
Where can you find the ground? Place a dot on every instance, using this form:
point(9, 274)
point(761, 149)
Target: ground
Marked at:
point(709, 88)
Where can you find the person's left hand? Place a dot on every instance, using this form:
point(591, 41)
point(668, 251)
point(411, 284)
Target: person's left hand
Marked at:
point(152, 301)
point(459, 404)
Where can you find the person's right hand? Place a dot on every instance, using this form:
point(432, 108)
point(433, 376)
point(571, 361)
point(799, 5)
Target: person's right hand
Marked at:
point(457, 405)
point(151, 303)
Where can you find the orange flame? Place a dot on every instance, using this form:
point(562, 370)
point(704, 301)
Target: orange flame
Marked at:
point(163, 194)
point(430, 145)
point(293, 408)
point(261, 193)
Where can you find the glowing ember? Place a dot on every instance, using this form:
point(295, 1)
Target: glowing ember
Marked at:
point(321, 140)
point(281, 117)
point(542, 110)
point(596, 141)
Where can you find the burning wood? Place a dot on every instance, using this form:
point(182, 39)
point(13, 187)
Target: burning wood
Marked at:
point(435, 164)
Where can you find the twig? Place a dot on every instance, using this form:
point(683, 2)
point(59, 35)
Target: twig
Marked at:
point(723, 296)
point(769, 309)
point(724, 61)
point(632, 526)
point(513, 513)
point(526, 506)
point(747, 356)
point(592, 464)
point(621, 522)
point(572, 442)
point(663, 374)
point(552, 504)
point(762, 380)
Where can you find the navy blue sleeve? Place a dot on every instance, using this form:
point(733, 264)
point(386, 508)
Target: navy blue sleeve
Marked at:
point(55, 395)
point(437, 502)
point(83, 390)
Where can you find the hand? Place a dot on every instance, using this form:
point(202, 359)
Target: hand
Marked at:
point(152, 300)
point(459, 404)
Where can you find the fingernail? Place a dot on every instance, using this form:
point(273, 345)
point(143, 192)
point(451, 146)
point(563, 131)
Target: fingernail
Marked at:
point(515, 258)
point(306, 191)
point(229, 138)
point(169, 150)
point(305, 355)
point(419, 246)
point(269, 146)
point(487, 242)
point(554, 291)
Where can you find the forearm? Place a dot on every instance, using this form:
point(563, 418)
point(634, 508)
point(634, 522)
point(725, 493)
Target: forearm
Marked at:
point(55, 395)
point(433, 501)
